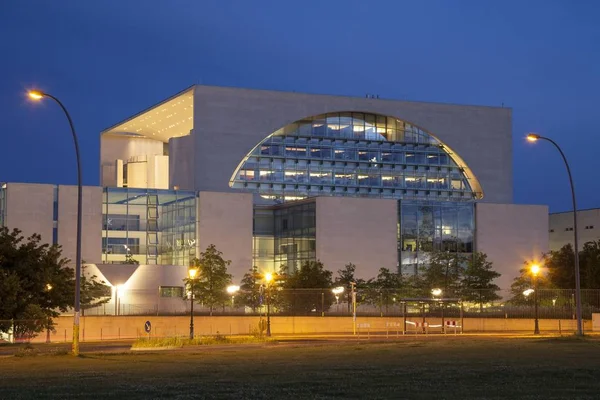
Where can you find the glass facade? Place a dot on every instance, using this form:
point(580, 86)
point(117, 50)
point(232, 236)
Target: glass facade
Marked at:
point(353, 154)
point(284, 236)
point(152, 226)
point(427, 226)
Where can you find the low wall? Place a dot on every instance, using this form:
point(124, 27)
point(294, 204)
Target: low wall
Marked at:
point(131, 327)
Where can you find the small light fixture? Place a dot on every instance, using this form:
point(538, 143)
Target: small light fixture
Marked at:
point(35, 94)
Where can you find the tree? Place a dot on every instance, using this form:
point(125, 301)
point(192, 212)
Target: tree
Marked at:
point(130, 260)
point(477, 284)
point(345, 278)
point(560, 268)
point(250, 289)
point(384, 289)
point(524, 282)
point(444, 271)
point(212, 280)
point(311, 275)
point(589, 260)
point(36, 283)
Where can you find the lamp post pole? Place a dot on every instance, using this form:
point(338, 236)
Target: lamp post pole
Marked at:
point(536, 329)
point(268, 310)
point(37, 95)
point(353, 288)
point(192, 311)
point(192, 275)
point(532, 137)
point(268, 279)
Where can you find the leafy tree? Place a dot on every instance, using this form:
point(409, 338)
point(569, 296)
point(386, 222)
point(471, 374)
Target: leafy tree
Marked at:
point(130, 260)
point(383, 289)
point(345, 278)
point(444, 271)
point(35, 283)
point(524, 282)
point(477, 284)
point(589, 261)
point(311, 275)
point(250, 294)
point(560, 267)
point(210, 285)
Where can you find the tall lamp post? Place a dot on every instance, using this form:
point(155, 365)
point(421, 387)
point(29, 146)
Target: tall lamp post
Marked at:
point(232, 290)
point(192, 272)
point(535, 270)
point(532, 137)
point(268, 280)
point(38, 95)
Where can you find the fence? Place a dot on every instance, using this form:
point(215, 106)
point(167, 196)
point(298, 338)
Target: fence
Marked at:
point(132, 327)
point(552, 303)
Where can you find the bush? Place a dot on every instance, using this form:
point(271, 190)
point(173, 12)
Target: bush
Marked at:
point(198, 341)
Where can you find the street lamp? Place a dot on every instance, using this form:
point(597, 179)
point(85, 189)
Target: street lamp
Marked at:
point(192, 272)
point(533, 137)
point(232, 290)
point(436, 292)
point(38, 95)
point(337, 291)
point(353, 289)
point(268, 280)
point(535, 270)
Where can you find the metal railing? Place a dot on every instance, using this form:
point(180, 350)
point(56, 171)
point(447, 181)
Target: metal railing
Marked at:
point(553, 303)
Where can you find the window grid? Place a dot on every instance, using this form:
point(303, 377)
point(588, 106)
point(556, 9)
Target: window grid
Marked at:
point(353, 154)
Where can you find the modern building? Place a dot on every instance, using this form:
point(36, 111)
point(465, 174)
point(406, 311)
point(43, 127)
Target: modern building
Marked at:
point(561, 228)
point(276, 179)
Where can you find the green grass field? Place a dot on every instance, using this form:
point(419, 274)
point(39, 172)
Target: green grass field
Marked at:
point(424, 368)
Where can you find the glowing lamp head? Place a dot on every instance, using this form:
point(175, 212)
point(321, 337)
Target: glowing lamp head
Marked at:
point(48, 287)
point(192, 272)
point(535, 269)
point(338, 290)
point(268, 277)
point(232, 289)
point(532, 137)
point(436, 292)
point(35, 94)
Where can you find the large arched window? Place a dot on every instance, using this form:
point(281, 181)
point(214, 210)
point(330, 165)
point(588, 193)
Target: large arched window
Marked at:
point(357, 155)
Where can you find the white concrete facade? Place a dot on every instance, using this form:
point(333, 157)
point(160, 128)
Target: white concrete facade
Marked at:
point(30, 208)
point(235, 120)
point(561, 228)
point(225, 220)
point(511, 234)
point(358, 231)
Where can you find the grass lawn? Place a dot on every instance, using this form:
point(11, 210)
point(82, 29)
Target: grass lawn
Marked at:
point(441, 368)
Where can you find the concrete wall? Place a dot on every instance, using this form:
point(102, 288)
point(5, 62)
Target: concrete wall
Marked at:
point(113, 148)
point(225, 220)
point(29, 207)
point(111, 328)
point(91, 238)
point(181, 162)
point(360, 231)
point(511, 234)
point(588, 224)
point(229, 122)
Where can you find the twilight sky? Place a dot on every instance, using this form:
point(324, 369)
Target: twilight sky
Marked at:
point(107, 60)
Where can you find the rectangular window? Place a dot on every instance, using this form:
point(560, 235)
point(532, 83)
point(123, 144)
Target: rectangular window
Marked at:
point(171, 291)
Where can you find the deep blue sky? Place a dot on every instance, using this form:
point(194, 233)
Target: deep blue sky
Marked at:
point(109, 59)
